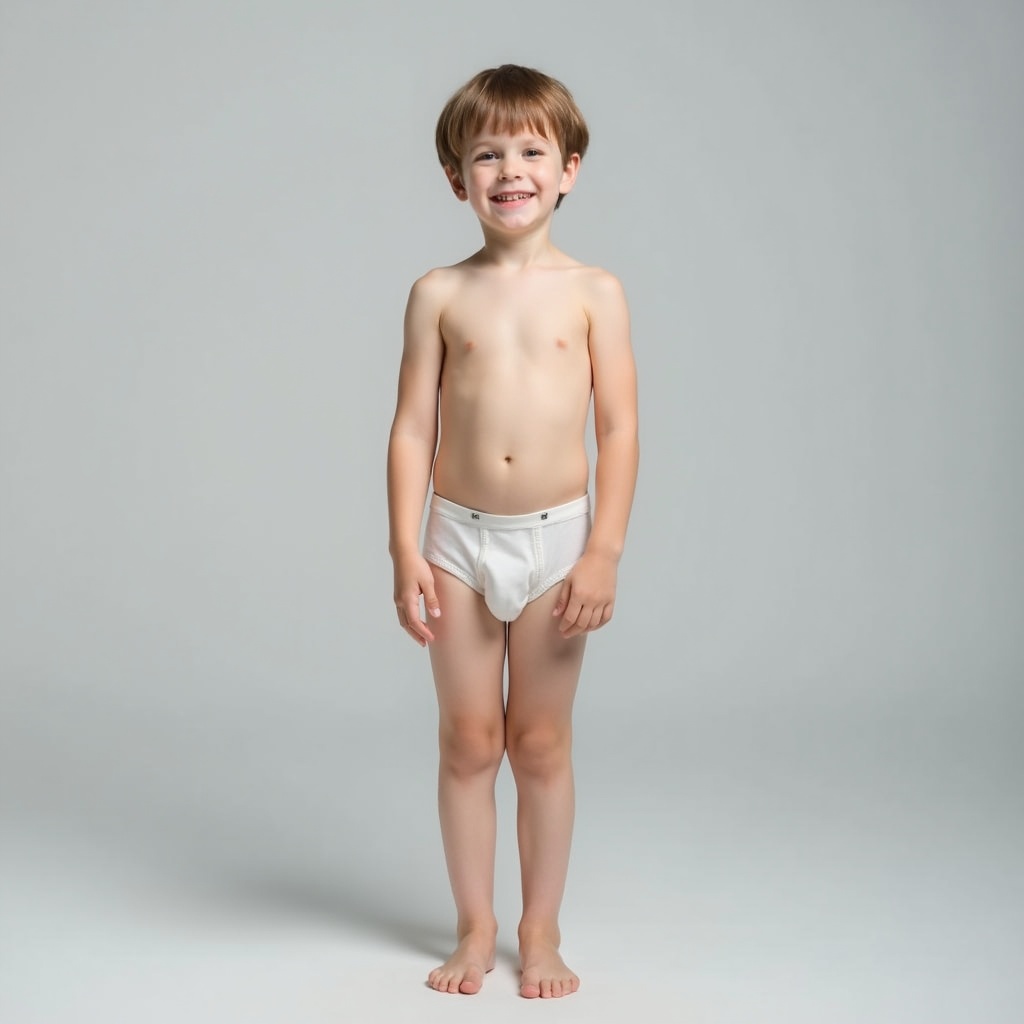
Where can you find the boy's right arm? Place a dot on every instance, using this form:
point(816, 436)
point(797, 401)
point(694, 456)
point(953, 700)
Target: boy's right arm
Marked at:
point(411, 452)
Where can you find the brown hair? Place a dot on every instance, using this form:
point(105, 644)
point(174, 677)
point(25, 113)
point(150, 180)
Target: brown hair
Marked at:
point(510, 98)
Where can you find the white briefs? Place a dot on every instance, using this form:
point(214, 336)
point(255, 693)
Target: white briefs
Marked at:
point(509, 559)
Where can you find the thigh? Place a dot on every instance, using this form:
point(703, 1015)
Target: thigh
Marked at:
point(543, 667)
point(467, 655)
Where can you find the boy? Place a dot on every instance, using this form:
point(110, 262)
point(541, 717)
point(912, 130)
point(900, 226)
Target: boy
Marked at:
point(507, 347)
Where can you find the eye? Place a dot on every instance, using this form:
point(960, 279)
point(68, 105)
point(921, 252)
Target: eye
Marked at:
point(487, 156)
point(534, 152)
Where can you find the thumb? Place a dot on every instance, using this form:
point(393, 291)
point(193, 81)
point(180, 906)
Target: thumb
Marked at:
point(563, 599)
point(430, 598)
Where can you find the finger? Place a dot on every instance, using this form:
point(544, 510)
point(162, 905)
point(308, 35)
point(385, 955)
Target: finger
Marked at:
point(430, 600)
point(416, 626)
point(403, 622)
point(572, 615)
point(422, 630)
point(563, 598)
point(419, 632)
point(589, 619)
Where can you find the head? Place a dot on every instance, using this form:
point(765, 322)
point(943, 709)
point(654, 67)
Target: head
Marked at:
point(510, 99)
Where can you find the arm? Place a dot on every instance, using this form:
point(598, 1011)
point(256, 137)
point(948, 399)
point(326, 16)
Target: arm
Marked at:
point(411, 451)
point(588, 595)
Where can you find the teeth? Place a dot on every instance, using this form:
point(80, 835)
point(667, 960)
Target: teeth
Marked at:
point(512, 198)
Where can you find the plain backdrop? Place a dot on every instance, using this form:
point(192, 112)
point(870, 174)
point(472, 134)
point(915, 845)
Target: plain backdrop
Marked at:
point(798, 743)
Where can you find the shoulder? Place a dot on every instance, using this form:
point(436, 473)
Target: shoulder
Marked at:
point(594, 281)
point(435, 285)
point(602, 291)
point(430, 295)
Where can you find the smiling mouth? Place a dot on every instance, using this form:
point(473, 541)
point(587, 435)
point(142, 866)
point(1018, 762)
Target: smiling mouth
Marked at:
point(511, 197)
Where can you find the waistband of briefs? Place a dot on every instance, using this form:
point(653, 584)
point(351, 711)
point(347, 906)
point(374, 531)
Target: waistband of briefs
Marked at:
point(488, 521)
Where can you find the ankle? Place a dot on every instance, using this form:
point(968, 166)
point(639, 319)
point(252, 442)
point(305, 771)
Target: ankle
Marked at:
point(482, 926)
point(539, 930)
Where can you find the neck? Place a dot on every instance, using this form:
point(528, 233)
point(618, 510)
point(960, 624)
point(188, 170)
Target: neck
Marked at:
point(518, 251)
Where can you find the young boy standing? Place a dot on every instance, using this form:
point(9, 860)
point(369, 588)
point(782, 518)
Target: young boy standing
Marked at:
point(506, 348)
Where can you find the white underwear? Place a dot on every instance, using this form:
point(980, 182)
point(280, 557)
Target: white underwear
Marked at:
point(511, 560)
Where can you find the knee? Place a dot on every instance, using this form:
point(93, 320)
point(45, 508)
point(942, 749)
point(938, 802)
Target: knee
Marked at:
point(471, 746)
point(539, 751)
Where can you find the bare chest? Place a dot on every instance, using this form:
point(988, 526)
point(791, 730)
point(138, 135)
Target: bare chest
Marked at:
point(514, 327)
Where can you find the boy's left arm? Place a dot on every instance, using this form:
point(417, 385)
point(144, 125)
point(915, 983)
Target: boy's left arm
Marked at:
point(587, 598)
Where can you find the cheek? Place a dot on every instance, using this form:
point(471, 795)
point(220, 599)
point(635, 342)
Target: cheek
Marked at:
point(477, 176)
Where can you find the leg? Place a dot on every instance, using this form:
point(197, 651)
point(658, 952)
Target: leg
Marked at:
point(543, 669)
point(468, 659)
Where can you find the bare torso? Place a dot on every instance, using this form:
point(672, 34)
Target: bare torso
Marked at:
point(515, 388)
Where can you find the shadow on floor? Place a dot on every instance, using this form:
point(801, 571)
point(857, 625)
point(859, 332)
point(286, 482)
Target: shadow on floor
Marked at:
point(350, 905)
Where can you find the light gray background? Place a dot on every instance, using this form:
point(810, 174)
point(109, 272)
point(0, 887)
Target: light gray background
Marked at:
point(798, 744)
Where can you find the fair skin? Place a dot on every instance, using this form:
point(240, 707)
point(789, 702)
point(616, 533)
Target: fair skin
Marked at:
point(507, 348)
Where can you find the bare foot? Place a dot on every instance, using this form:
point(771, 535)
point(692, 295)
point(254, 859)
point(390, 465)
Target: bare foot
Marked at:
point(544, 970)
point(464, 970)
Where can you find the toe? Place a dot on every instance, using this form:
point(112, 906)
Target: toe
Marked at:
point(471, 983)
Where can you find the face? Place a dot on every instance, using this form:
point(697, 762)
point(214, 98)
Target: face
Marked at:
point(512, 181)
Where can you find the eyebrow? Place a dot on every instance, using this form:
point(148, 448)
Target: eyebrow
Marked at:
point(490, 142)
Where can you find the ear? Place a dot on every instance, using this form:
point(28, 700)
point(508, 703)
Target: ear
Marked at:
point(571, 169)
point(455, 180)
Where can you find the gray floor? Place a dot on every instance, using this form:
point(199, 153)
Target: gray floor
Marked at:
point(747, 865)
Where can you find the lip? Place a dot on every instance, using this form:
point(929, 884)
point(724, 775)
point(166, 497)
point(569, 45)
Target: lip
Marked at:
point(511, 204)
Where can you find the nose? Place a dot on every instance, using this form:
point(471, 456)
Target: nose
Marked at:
point(509, 169)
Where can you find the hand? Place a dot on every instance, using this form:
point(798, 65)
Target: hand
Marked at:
point(587, 597)
point(414, 579)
